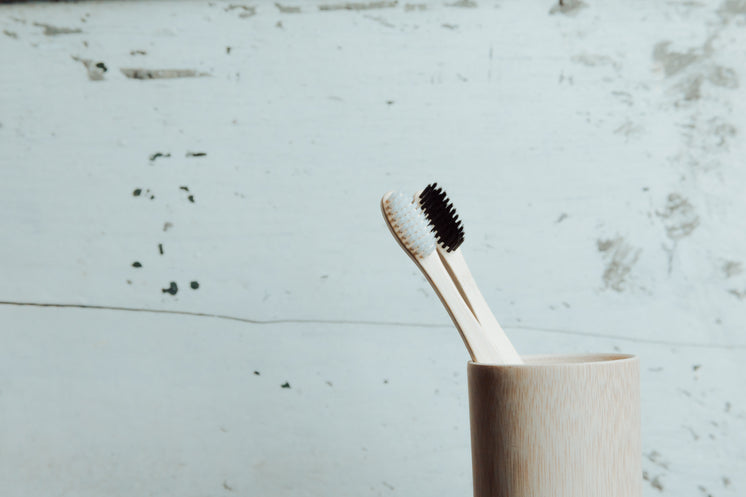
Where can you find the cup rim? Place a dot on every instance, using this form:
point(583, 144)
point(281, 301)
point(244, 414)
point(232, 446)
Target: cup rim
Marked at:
point(563, 360)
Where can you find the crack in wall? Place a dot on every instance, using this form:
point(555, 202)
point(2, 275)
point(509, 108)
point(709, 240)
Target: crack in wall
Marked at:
point(366, 323)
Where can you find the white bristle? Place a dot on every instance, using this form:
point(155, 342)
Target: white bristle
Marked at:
point(410, 225)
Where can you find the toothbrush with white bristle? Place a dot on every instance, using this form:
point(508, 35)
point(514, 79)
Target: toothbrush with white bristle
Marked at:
point(409, 227)
point(449, 232)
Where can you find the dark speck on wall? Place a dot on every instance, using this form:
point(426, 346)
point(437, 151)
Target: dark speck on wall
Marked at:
point(172, 288)
point(191, 198)
point(286, 385)
point(185, 188)
point(704, 491)
point(194, 285)
point(696, 367)
point(160, 248)
point(137, 192)
point(136, 264)
point(196, 154)
point(157, 155)
point(257, 373)
point(102, 66)
point(656, 483)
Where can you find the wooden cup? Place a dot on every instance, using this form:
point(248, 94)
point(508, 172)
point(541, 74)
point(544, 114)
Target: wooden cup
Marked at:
point(556, 426)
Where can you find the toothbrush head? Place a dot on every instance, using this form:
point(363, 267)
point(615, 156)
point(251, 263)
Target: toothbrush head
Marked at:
point(408, 224)
point(442, 216)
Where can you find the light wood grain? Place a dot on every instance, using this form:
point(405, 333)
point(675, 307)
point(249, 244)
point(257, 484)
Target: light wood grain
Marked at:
point(494, 334)
point(559, 426)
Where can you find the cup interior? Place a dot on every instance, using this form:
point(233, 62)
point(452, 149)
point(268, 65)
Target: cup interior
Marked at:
point(562, 360)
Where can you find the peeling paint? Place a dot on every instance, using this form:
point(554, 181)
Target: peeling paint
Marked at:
point(358, 6)
point(593, 60)
point(731, 8)
point(246, 10)
point(464, 4)
point(673, 62)
point(96, 69)
point(50, 30)
point(161, 73)
point(691, 87)
point(568, 7)
point(680, 218)
point(732, 268)
point(287, 9)
point(621, 258)
point(724, 77)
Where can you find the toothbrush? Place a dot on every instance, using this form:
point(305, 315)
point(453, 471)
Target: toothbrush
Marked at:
point(410, 229)
point(449, 232)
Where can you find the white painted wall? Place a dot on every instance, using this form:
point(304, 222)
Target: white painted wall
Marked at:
point(596, 156)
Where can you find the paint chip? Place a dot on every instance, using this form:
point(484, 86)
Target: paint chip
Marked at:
point(287, 9)
point(246, 10)
point(679, 217)
point(621, 258)
point(568, 7)
point(656, 484)
point(50, 30)
point(358, 6)
point(95, 69)
point(158, 155)
point(139, 73)
point(172, 289)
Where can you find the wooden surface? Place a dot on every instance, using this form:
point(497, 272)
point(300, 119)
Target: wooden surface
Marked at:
point(566, 426)
point(595, 154)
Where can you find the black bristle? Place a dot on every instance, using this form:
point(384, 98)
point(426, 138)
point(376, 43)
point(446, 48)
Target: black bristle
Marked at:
point(441, 214)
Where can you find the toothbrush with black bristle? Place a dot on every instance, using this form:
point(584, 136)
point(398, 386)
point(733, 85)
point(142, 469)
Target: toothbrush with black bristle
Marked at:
point(409, 227)
point(449, 232)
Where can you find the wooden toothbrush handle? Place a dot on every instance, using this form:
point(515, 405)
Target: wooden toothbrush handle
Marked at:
point(456, 265)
